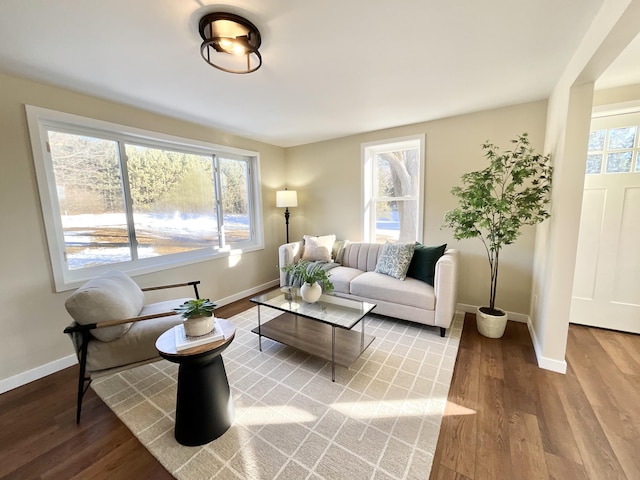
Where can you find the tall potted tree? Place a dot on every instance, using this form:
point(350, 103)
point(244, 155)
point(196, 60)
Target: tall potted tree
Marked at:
point(494, 204)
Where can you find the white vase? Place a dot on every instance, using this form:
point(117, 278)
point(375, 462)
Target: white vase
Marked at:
point(310, 293)
point(491, 326)
point(197, 326)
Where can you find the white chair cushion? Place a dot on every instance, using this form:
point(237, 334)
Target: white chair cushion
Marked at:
point(138, 345)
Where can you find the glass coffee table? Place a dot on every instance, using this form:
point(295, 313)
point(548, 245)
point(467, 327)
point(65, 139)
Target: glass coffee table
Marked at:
point(323, 329)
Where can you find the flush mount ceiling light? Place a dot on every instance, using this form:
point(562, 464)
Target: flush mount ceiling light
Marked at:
point(230, 43)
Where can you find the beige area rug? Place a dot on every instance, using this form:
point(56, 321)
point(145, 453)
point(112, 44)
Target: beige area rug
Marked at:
point(379, 420)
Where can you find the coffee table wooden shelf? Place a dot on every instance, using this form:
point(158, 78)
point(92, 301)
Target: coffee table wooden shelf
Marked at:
point(323, 329)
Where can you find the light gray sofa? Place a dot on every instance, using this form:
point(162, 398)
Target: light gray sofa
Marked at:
point(408, 299)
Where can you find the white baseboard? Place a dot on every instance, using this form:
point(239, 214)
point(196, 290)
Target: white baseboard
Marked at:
point(543, 362)
point(559, 366)
point(246, 293)
point(513, 316)
point(62, 363)
point(37, 373)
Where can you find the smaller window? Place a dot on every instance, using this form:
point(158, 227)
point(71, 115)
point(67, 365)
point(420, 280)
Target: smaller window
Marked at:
point(393, 173)
point(613, 150)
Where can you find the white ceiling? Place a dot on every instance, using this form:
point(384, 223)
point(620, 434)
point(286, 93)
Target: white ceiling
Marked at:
point(625, 70)
point(331, 68)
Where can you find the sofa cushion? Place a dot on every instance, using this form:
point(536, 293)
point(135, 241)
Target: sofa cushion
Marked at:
point(318, 248)
point(112, 296)
point(378, 286)
point(341, 278)
point(394, 259)
point(423, 263)
point(363, 256)
point(339, 247)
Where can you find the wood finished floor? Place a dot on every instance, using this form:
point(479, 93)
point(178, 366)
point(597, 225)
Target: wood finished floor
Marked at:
point(508, 419)
point(505, 419)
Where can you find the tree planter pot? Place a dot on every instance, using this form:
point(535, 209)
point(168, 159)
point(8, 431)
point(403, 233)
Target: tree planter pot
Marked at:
point(198, 326)
point(491, 326)
point(310, 293)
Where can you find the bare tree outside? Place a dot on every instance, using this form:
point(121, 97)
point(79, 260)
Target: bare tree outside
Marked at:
point(172, 196)
point(395, 170)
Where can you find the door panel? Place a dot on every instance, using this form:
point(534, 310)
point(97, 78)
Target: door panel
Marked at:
point(606, 290)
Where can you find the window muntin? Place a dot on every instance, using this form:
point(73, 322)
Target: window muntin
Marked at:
point(393, 179)
point(117, 197)
point(613, 150)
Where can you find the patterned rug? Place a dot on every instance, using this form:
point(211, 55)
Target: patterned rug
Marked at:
point(379, 420)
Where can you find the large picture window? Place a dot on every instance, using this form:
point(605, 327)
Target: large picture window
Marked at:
point(138, 201)
point(393, 172)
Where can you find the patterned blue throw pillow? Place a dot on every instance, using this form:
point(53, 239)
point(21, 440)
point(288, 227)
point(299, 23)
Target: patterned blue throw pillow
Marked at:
point(394, 259)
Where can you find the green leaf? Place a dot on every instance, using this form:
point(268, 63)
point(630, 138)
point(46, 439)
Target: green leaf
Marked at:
point(496, 202)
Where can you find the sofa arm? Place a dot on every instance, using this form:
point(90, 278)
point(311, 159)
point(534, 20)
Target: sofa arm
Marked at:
point(288, 253)
point(445, 287)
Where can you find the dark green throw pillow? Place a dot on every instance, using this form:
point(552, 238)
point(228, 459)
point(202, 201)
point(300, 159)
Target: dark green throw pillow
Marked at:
point(423, 263)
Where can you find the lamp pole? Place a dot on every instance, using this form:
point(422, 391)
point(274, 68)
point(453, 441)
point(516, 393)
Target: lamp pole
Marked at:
point(286, 221)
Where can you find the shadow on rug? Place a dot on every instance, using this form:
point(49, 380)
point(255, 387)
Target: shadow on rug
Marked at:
point(380, 419)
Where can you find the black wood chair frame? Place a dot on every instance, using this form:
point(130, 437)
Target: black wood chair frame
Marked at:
point(84, 331)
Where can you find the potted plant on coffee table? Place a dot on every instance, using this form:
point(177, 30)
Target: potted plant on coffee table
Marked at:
point(198, 316)
point(314, 279)
point(494, 204)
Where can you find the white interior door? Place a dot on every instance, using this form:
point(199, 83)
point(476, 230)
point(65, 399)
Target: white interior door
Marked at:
point(606, 289)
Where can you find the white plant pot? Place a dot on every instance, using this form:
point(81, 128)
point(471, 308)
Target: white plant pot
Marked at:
point(310, 293)
point(491, 326)
point(198, 326)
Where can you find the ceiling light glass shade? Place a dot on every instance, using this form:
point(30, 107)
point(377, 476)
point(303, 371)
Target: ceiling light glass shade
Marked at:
point(286, 198)
point(230, 43)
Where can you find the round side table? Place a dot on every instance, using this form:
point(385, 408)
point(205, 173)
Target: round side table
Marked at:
point(204, 407)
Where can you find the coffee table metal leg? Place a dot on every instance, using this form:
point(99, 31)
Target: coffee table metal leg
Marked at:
point(259, 330)
point(362, 336)
point(333, 353)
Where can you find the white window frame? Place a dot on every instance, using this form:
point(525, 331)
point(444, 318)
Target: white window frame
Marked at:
point(40, 120)
point(367, 153)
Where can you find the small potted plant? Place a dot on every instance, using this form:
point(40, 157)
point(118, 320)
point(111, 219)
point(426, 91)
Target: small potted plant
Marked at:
point(313, 278)
point(494, 204)
point(198, 316)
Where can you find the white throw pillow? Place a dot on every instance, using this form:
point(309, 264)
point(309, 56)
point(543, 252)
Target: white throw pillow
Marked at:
point(112, 296)
point(394, 259)
point(318, 248)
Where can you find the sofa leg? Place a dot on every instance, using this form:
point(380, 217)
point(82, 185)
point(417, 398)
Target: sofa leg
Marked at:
point(442, 331)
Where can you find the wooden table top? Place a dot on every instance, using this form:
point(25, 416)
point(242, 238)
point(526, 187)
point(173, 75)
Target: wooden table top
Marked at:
point(166, 343)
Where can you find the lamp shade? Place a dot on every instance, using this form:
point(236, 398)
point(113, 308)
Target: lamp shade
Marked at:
point(286, 198)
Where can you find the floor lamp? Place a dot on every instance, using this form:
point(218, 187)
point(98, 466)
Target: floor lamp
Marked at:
point(285, 199)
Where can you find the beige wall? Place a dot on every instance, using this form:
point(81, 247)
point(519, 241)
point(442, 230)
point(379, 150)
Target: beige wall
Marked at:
point(327, 176)
point(613, 96)
point(567, 133)
point(32, 316)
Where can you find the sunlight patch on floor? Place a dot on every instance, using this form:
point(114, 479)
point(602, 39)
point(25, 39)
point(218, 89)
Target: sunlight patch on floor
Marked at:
point(455, 409)
point(390, 408)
